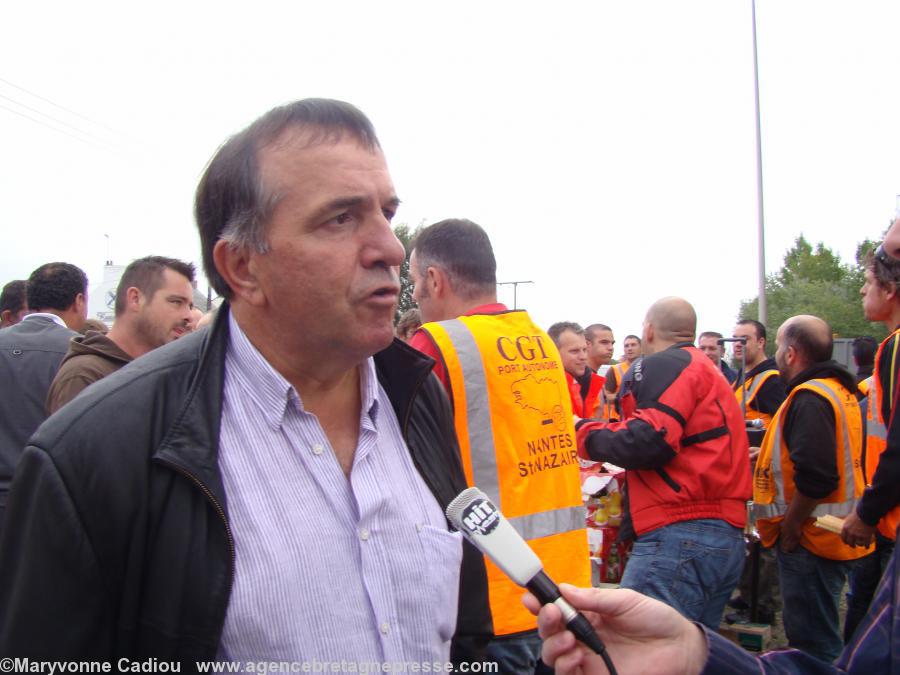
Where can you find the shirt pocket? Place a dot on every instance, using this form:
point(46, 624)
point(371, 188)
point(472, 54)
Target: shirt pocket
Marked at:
point(442, 551)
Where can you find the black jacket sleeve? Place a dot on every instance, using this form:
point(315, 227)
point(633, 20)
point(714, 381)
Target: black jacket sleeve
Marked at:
point(809, 429)
point(49, 556)
point(649, 439)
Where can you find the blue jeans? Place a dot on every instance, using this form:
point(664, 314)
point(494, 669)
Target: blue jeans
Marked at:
point(810, 594)
point(517, 655)
point(693, 566)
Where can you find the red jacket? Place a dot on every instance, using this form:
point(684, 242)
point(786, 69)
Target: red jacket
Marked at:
point(585, 407)
point(685, 447)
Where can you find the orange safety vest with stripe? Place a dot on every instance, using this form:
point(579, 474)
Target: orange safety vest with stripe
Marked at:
point(751, 389)
point(608, 411)
point(876, 435)
point(773, 478)
point(516, 433)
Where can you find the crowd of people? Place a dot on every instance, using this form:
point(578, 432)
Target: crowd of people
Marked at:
point(269, 480)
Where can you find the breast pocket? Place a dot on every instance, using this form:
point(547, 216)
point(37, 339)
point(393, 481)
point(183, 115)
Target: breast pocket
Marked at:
point(442, 551)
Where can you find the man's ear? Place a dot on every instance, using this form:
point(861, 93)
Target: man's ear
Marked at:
point(133, 297)
point(436, 282)
point(236, 265)
point(6, 315)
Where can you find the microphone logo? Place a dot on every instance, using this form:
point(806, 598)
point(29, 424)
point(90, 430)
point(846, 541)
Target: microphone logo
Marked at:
point(481, 517)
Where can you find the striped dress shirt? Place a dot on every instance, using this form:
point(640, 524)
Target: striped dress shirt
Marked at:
point(328, 567)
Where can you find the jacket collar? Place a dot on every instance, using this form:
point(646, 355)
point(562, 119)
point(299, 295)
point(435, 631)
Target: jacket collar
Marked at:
point(192, 443)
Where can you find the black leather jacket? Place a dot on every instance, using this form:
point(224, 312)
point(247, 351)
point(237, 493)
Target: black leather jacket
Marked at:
point(116, 541)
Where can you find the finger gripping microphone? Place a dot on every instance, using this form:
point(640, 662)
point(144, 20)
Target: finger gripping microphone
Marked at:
point(473, 514)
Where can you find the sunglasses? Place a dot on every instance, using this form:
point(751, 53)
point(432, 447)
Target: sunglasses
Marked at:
point(884, 257)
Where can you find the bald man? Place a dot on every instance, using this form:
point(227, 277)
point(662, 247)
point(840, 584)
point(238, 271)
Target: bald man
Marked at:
point(688, 473)
point(809, 465)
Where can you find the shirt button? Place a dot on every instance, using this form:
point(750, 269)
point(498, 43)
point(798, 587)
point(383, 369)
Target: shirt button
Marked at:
point(418, 527)
point(318, 449)
point(385, 628)
point(364, 534)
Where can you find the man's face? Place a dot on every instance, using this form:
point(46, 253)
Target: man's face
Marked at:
point(600, 349)
point(573, 350)
point(710, 347)
point(876, 300)
point(632, 349)
point(781, 356)
point(166, 316)
point(329, 279)
point(755, 347)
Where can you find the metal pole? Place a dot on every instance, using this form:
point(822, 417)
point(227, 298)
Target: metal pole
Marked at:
point(515, 285)
point(759, 182)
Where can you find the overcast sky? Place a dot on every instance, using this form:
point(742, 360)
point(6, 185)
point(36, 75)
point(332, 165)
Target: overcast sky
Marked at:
point(607, 147)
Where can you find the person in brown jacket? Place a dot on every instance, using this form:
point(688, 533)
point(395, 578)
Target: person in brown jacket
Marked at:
point(153, 307)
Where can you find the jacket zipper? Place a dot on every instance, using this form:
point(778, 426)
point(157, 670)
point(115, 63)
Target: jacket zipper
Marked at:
point(218, 507)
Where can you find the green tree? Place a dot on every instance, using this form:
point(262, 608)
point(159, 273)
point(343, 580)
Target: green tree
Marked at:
point(813, 280)
point(405, 235)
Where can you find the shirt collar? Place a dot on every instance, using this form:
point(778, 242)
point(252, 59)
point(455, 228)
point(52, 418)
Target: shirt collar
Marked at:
point(47, 315)
point(272, 393)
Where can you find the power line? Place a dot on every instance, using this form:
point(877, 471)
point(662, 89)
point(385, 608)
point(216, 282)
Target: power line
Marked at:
point(52, 118)
point(62, 131)
point(53, 103)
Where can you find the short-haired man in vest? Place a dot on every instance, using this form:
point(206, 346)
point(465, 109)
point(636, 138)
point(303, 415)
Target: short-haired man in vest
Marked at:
point(585, 386)
point(809, 465)
point(763, 386)
point(688, 470)
point(615, 376)
point(512, 413)
point(878, 512)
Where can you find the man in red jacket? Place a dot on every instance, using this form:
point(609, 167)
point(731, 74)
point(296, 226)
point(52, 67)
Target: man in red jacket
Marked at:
point(585, 386)
point(688, 475)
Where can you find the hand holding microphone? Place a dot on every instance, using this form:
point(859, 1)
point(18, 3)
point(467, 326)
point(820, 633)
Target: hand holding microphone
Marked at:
point(473, 514)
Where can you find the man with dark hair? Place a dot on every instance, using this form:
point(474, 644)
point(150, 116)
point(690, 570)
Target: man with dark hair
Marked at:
point(30, 354)
point(864, 349)
point(13, 303)
point(763, 387)
point(877, 514)
point(153, 307)
point(513, 421)
point(809, 465)
point(585, 386)
point(600, 344)
point(292, 457)
point(688, 471)
point(708, 343)
point(615, 376)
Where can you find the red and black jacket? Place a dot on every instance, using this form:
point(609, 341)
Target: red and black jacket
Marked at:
point(684, 446)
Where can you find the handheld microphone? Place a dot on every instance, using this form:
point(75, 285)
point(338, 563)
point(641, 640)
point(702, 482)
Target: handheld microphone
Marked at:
point(473, 514)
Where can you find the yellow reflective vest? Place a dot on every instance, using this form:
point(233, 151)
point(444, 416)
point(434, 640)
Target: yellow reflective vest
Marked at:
point(773, 478)
point(750, 390)
point(516, 433)
point(876, 436)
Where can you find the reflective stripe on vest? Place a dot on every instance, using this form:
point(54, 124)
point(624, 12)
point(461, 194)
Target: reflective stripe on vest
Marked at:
point(779, 507)
point(481, 436)
point(875, 426)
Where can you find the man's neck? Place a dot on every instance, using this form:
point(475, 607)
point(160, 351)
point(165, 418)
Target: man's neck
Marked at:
point(756, 363)
point(459, 307)
point(123, 335)
point(893, 322)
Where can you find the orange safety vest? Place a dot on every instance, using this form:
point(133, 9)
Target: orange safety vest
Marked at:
point(516, 433)
point(773, 478)
point(876, 434)
point(608, 410)
point(751, 389)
